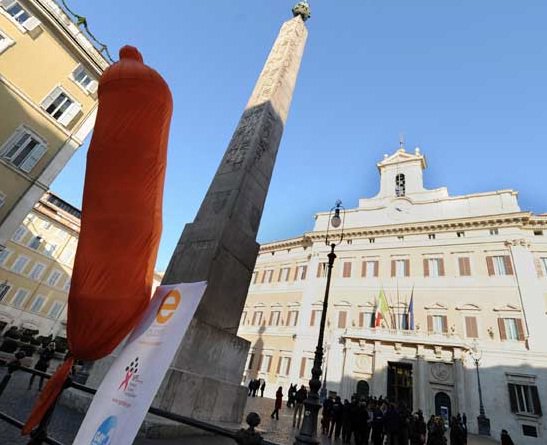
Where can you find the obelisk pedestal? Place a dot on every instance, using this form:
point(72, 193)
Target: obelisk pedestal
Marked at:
point(204, 380)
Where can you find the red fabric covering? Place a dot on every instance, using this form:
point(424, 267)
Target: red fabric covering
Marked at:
point(121, 215)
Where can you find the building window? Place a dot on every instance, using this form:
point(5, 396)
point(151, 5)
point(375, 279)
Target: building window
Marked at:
point(365, 319)
point(17, 12)
point(301, 272)
point(431, 236)
point(19, 234)
point(499, 265)
point(321, 270)
point(66, 286)
point(460, 234)
point(346, 271)
point(511, 329)
point(284, 366)
point(315, 317)
point(372, 240)
point(274, 318)
point(471, 330)
point(60, 106)
point(465, 266)
point(267, 276)
point(284, 274)
point(400, 185)
point(369, 268)
point(243, 318)
point(251, 360)
point(433, 267)
point(37, 304)
point(19, 297)
point(19, 264)
point(342, 319)
point(494, 232)
point(437, 324)
point(401, 238)
point(46, 224)
point(4, 289)
point(37, 271)
point(538, 232)
point(257, 318)
point(255, 277)
point(306, 366)
point(35, 242)
point(266, 363)
point(81, 76)
point(67, 255)
point(292, 318)
point(5, 42)
point(4, 254)
point(400, 268)
point(50, 249)
point(53, 278)
point(23, 150)
point(524, 399)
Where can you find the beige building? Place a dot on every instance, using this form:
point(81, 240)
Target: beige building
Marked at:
point(36, 266)
point(475, 266)
point(48, 101)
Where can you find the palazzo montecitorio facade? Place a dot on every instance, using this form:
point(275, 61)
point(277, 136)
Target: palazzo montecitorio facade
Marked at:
point(475, 267)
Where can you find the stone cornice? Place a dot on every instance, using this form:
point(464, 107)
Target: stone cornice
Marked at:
point(524, 220)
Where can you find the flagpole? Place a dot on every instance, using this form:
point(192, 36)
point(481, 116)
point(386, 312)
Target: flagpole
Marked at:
point(398, 309)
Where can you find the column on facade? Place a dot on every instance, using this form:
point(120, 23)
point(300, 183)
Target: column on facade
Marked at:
point(378, 384)
point(459, 381)
point(347, 382)
point(418, 386)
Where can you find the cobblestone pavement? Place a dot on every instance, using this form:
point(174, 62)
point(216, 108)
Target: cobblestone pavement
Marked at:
point(17, 402)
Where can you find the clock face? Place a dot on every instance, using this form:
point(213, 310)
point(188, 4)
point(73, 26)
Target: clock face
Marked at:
point(400, 209)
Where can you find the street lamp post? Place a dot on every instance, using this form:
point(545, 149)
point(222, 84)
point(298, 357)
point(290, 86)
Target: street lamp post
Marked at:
point(312, 404)
point(482, 420)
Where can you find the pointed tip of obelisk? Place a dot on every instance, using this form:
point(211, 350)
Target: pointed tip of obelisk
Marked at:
point(302, 9)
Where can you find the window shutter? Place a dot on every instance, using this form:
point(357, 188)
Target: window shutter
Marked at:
point(361, 319)
point(280, 274)
point(467, 263)
point(51, 97)
point(302, 367)
point(304, 272)
point(295, 276)
point(312, 321)
point(490, 265)
point(271, 318)
point(539, 267)
point(429, 323)
point(364, 269)
point(251, 360)
point(288, 370)
point(445, 323)
point(33, 158)
point(520, 330)
point(342, 316)
point(279, 365)
point(426, 267)
point(70, 113)
point(501, 327)
point(461, 266)
point(263, 279)
point(441, 267)
point(295, 318)
point(269, 362)
point(319, 270)
point(31, 23)
point(512, 397)
point(347, 270)
point(393, 268)
point(535, 400)
point(260, 362)
point(376, 267)
point(92, 87)
point(508, 265)
point(471, 327)
point(407, 268)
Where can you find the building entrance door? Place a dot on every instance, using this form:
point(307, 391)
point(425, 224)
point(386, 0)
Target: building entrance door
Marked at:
point(443, 406)
point(362, 389)
point(399, 383)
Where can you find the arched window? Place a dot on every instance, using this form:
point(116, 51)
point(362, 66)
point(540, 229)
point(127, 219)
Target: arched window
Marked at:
point(400, 187)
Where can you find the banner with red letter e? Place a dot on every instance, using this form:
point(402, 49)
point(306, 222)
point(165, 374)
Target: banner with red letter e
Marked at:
point(129, 387)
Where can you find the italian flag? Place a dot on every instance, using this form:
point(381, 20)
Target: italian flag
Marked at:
point(382, 310)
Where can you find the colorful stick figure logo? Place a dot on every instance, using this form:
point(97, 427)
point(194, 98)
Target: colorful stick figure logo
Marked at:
point(130, 371)
point(105, 432)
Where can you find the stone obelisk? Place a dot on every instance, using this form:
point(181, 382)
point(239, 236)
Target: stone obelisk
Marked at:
point(220, 246)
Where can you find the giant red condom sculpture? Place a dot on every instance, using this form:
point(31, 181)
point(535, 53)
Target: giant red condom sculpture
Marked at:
point(121, 216)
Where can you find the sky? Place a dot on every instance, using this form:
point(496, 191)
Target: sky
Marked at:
point(464, 80)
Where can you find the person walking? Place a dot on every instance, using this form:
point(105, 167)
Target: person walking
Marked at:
point(336, 420)
point(326, 415)
point(301, 395)
point(506, 438)
point(262, 388)
point(278, 403)
point(377, 435)
point(417, 429)
point(42, 364)
point(250, 386)
point(456, 432)
point(346, 421)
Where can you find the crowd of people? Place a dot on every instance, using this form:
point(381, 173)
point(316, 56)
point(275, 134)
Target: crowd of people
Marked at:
point(255, 385)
